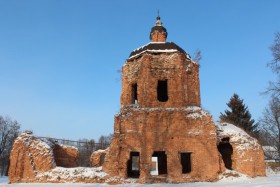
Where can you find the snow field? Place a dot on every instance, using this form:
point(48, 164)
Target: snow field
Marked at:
point(272, 180)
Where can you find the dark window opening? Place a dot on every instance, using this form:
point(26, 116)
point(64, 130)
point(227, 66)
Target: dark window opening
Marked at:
point(162, 91)
point(226, 151)
point(134, 93)
point(162, 161)
point(186, 162)
point(133, 165)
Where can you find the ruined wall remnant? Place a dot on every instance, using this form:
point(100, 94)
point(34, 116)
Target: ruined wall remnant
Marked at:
point(97, 158)
point(29, 156)
point(247, 155)
point(32, 158)
point(66, 156)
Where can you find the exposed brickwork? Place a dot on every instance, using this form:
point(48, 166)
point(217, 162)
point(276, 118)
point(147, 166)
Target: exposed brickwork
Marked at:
point(249, 161)
point(158, 36)
point(97, 157)
point(182, 75)
point(170, 130)
point(247, 154)
point(66, 156)
point(29, 156)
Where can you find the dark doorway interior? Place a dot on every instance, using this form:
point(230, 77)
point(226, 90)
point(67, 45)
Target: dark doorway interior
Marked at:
point(134, 94)
point(226, 151)
point(133, 166)
point(186, 162)
point(162, 161)
point(162, 91)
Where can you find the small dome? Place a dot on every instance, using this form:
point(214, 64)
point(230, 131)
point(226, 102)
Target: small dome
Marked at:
point(158, 28)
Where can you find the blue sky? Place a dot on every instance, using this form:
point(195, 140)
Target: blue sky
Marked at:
point(59, 59)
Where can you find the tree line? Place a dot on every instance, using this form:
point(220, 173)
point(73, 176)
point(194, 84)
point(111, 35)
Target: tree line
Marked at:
point(9, 130)
point(270, 122)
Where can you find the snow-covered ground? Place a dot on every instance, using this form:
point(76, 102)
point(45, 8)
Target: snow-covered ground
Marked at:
point(272, 180)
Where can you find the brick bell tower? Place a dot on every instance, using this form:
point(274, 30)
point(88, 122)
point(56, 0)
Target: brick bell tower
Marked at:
point(161, 133)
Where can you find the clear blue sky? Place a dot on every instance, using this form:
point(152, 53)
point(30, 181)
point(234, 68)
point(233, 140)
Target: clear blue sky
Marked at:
point(59, 58)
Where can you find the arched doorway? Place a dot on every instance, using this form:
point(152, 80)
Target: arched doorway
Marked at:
point(226, 151)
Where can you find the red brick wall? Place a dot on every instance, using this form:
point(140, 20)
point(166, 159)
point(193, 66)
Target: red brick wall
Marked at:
point(182, 75)
point(169, 130)
point(158, 36)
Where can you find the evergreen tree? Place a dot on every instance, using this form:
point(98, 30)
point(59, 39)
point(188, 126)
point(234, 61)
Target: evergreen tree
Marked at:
point(239, 115)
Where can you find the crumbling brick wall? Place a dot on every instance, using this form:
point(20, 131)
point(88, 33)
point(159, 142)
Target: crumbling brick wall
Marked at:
point(97, 158)
point(182, 75)
point(31, 156)
point(149, 125)
point(171, 130)
point(247, 153)
point(66, 156)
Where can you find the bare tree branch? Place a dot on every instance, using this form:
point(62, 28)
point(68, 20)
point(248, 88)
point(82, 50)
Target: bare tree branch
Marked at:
point(275, 49)
point(197, 56)
point(271, 122)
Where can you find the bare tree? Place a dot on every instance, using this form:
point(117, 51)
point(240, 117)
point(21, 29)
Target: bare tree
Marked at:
point(274, 87)
point(275, 49)
point(9, 130)
point(85, 147)
point(105, 141)
point(271, 122)
point(197, 56)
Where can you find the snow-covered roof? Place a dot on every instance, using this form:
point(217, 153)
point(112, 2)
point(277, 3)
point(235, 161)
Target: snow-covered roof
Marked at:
point(236, 135)
point(157, 47)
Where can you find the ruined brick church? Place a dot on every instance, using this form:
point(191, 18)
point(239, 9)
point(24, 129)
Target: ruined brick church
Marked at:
point(160, 130)
point(161, 134)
